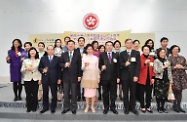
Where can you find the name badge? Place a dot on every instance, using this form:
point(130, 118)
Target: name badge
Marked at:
point(19, 54)
point(151, 64)
point(133, 59)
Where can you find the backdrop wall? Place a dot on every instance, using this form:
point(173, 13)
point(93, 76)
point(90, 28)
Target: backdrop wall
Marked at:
point(19, 18)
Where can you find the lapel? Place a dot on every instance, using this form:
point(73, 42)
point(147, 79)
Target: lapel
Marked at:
point(74, 55)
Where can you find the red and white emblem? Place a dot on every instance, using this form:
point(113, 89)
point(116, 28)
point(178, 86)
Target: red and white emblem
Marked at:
point(91, 21)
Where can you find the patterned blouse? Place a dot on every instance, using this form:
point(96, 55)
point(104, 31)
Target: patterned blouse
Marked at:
point(179, 75)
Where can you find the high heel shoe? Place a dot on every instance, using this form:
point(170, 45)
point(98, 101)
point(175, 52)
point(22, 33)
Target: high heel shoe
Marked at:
point(93, 110)
point(86, 110)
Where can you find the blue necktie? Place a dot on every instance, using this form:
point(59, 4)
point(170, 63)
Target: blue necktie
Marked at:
point(50, 59)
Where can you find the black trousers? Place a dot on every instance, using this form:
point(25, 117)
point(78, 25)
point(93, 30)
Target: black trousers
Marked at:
point(109, 91)
point(17, 87)
point(129, 85)
point(178, 98)
point(144, 90)
point(79, 94)
point(70, 103)
point(53, 87)
point(31, 89)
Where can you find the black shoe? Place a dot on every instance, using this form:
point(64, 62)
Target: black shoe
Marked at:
point(53, 111)
point(114, 111)
point(65, 111)
point(28, 110)
point(16, 98)
point(34, 110)
point(126, 111)
point(19, 98)
point(143, 110)
point(164, 110)
point(159, 111)
point(149, 110)
point(43, 111)
point(105, 111)
point(135, 112)
point(74, 112)
point(176, 110)
point(181, 110)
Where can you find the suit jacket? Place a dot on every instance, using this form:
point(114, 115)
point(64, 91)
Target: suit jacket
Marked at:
point(53, 74)
point(144, 70)
point(159, 71)
point(74, 71)
point(112, 70)
point(84, 50)
point(29, 75)
point(133, 69)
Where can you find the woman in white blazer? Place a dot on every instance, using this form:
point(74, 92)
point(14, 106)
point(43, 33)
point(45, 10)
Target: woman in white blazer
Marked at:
point(32, 79)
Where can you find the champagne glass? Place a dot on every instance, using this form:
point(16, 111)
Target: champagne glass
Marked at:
point(45, 73)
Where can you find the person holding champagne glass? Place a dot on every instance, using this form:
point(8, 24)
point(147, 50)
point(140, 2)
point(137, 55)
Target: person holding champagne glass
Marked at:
point(15, 57)
point(51, 76)
point(32, 79)
point(90, 78)
point(163, 78)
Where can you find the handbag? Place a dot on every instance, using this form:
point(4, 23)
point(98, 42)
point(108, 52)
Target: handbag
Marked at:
point(171, 96)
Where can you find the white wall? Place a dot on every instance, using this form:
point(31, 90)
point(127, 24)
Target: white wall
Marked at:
point(19, 18)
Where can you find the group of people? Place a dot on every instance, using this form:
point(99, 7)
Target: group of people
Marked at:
point(79, 73)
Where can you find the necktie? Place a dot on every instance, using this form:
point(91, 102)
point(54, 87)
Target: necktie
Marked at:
point(50, 59)
point(70, 56)
point(128, 55)
point(109, 58)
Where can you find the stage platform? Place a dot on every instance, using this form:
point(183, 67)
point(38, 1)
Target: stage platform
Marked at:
point(17, 110)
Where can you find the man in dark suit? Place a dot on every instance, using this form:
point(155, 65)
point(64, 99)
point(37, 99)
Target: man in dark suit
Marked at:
point(71, 75)
point(164, 43)
point(82, 50)
point(130, 69)
point(109, 66)
point(49, 67)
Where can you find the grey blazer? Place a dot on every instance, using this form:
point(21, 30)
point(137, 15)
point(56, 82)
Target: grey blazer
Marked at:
point(158, 69)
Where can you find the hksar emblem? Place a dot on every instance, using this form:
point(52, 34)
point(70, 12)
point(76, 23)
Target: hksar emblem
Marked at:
point(91, 21)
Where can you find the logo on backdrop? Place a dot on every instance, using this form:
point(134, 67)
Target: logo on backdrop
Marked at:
point(91, 21)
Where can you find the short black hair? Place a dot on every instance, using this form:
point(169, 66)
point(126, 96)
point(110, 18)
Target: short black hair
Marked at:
point(117, 41)
point(27, 43)
point(150, 40)
point(159, 50)
point(136, 41)
point(109, 42)
point(164, 38)
point(56, 42)
point(95, 42)
point(70, 41)
point(67, 37)
point(36, 56)
point(81, 38)
point(19, 41)
point(126, 40)
point(41, 43)
point(100, 46)
point(89, 45)
point(146, 46)
point(173, 46)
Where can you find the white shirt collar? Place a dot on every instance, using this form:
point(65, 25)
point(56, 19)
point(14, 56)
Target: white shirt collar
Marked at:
point(71, 52)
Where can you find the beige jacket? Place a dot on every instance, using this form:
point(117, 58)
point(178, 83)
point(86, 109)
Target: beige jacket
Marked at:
point(158, 69)
point(29, 75)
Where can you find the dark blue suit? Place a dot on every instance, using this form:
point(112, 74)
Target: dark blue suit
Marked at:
point(50, 80)
point(69, 78)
